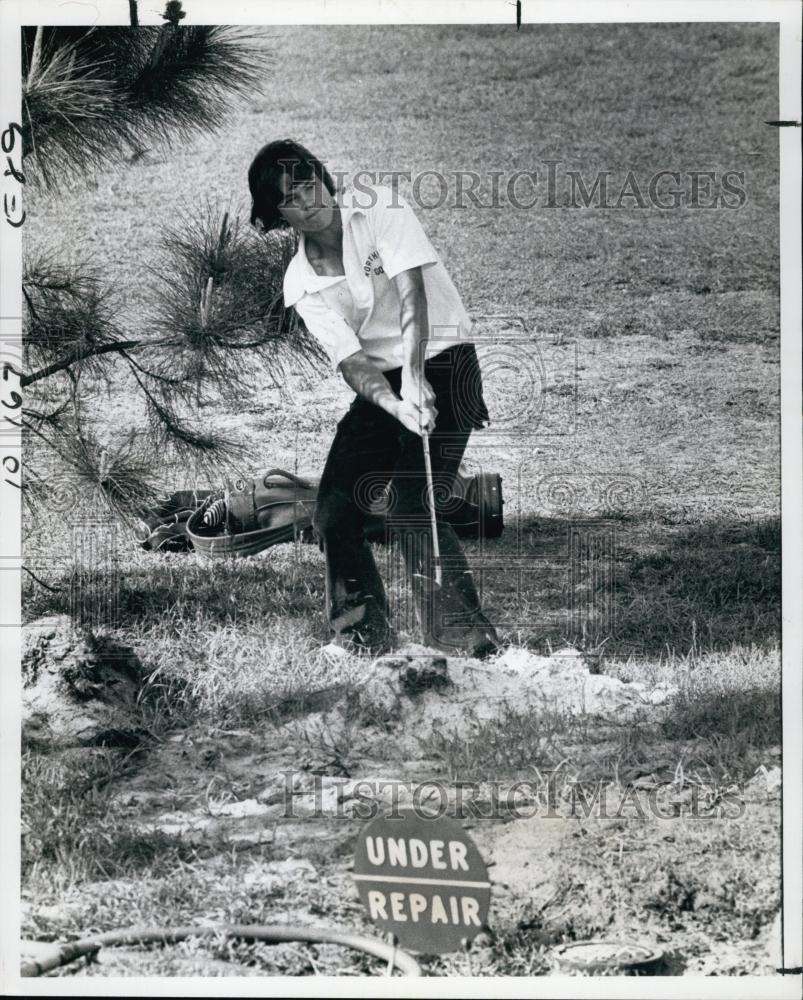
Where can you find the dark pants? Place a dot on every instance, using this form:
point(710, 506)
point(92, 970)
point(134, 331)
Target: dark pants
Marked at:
point(370, 450)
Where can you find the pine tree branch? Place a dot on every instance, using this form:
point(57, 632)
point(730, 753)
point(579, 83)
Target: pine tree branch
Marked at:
point(150, 374)
point(95, 94)
point(170, 420)
point(34, 313)
point(53, 590)
point(47, 417)
point(89, 352)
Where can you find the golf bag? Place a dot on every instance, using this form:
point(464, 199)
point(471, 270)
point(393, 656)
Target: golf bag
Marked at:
point(249, 515)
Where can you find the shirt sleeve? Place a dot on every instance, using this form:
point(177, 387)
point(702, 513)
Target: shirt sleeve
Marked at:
point(332, 331)
point(400, 237)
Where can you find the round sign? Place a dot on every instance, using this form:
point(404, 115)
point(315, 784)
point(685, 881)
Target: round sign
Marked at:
point(422, 878)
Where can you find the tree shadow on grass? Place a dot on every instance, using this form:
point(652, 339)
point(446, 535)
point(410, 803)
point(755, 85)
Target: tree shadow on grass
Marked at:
point(634, 586)
point(730, 718)
point(223, 592)
point(637, 585)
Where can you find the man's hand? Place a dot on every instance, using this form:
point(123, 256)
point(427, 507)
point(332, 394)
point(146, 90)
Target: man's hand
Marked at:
point(368, 381)
point(417, 411)
point(414, 419)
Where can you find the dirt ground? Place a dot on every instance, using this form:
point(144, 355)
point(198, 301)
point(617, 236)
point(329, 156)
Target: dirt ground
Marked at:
point(267, 818)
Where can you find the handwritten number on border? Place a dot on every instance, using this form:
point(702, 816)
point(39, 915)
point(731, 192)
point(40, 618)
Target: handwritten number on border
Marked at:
point(8, 140)
point(10, 462)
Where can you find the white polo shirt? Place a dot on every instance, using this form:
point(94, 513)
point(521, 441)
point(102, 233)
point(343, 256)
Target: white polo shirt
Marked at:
point(361, 310)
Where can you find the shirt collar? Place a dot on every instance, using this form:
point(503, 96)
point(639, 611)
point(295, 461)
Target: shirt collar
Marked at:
point(300, 278)
point(350, 206)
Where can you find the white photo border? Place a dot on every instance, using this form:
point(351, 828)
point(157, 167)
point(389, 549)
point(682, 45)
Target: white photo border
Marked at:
point(786, 13)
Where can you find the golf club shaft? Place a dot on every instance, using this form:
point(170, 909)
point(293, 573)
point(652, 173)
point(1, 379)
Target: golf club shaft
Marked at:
point(436, 550)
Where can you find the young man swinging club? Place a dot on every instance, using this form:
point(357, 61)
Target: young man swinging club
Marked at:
point(370, 287)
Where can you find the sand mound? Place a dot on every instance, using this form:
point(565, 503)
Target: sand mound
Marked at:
point(454, 695)
point(79, 689)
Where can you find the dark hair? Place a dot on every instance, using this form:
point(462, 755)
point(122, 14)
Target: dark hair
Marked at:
point(264, 174)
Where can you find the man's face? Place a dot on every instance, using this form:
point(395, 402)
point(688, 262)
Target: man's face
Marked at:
point(307, 205)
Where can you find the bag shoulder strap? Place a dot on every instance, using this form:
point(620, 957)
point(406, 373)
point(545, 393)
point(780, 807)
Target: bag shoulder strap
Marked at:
point(303, 483)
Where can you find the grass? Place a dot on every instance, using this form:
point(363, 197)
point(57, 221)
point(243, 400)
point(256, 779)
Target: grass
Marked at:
point(238, 890)
point(71, 830)
point(724, 721)
point(679, 587)
point(653, 113)
point(653, 434)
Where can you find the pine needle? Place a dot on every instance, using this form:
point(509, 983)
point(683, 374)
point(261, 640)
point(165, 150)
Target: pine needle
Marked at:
point(91, 95)
point(70, 310)
point(218, 293)
point(119, 480)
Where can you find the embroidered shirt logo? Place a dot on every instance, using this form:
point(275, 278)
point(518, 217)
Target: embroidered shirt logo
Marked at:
point(372, 264)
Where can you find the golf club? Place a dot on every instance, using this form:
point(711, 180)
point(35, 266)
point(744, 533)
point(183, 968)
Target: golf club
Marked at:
point(436, 552)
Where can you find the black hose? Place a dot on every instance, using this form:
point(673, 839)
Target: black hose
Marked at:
point(63, 954)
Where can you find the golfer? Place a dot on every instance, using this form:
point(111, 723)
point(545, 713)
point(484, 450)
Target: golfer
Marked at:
point(370, 287)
